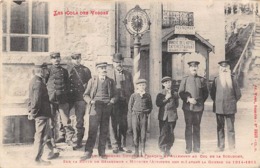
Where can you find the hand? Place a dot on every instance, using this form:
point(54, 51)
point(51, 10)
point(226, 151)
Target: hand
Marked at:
point(30, 117)
point(92, 102)
point(192, 100)
point(168, 96)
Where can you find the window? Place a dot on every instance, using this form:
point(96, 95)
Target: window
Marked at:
point(25, 27)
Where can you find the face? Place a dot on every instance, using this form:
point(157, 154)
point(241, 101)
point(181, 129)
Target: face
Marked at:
point(141, 86)
point(56, 60)
point(45, 72)
point(225, 68)
point(76, 61)
point(167, 84)
point(193, 69)
point(102, 70)
point(117, 65)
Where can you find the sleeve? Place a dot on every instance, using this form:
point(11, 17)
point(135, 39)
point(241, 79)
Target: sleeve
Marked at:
point(36, 99)
point(182, 93)
point(87, 75)
point(213, 90)
point(86, 95)
point(236, 89)
point(47, 75)
point(205, 91)
point(160, 100)
point(132, 89)
point(176, 99)
point(66, 79)
point(129, 114)
point(150, 104)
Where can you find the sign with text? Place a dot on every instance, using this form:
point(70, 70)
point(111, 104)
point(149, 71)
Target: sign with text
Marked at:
point(184, 30)
point(181, 44)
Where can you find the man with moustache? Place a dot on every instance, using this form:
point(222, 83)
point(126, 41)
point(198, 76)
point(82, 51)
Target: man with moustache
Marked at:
point(40, 111)
point(79, 76)
point(194, 92)
point(57, 85)
point(225, 93)
point(100, 96)
point(124, 88)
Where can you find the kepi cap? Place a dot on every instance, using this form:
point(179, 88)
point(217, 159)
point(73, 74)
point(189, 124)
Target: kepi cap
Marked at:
point(76, 55)
point(54, 54)
point(140, 81)
point(192, 63)
point(224, 63)
point(100, 64)
point(117, 57)
point(166, 78)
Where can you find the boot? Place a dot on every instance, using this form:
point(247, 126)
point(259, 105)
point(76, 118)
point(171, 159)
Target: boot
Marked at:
point(78, 144)
point(136, 154)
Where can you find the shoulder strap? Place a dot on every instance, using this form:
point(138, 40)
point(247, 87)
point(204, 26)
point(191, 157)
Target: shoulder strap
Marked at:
point(78, 76)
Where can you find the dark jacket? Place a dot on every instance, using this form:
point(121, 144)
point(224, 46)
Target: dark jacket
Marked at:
point(57, 84)
point(140, 104)
point(127, 86)
point(38, 105)
point(78, 80)
point(91, 91)
point(190, 84)
point(167, 108)
point(225, 99)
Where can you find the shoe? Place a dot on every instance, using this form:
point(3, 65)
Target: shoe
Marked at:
point(69, 142)
point(163, 155)
point(53, 156)
point(103, 156)
point(135, 155)
point(78, 146)
point(196, 150)
point(219, 150)
point(121, 149)
point(60, 140)
point(187, 151)
point(116, 150)
point(43, 162)
point(86, 156)
point(167, 153)
point(109, 147)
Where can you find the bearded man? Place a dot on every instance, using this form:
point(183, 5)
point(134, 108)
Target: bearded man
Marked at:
point(225, 93)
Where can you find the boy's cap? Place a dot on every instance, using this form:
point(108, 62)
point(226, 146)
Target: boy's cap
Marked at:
point(166, 78)
point(140, 81)
point(76, 55)
point(43, 65)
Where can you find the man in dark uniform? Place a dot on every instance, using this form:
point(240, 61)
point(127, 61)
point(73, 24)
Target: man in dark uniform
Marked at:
point(167, 101)
point(225, 93)
point(100, 97)
point(124, 89)
point(57, 85)
point(40, 111)
point(194, 92)
point(79, 76)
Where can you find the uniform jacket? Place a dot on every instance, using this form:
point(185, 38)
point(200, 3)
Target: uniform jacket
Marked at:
point(225, 99)
point(91, 91)
point(167, 108)
point(128, 86)
point(38, 105)
point(57, 84)
point(194, 87)
point(77, 81)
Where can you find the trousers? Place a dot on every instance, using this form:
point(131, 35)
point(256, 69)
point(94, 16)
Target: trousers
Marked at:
point(230, 120)
point(192, 130)
point(98, 119)
point(139, 125)
point(166, 138)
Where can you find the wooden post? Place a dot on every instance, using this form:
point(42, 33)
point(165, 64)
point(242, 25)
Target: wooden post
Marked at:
point(155, 62)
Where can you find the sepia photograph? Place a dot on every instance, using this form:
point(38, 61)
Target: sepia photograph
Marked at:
point(128, 83)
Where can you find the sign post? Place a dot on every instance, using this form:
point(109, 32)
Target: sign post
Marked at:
point(137, 23)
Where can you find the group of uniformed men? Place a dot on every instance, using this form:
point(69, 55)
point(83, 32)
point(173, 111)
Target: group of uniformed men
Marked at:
point(54, 91)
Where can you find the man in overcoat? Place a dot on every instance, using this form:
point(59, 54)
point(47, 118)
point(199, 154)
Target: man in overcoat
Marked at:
point(225, 93)
point(194, 92)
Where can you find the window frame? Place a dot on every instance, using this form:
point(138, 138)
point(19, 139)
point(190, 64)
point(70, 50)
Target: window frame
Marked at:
point(30, 36)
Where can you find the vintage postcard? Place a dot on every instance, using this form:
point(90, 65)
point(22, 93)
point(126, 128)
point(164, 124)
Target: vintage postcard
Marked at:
point(104, 83)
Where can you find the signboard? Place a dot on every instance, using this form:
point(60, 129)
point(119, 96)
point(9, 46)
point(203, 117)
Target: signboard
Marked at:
point(173, 18)
point(184, 30)
point(181, 44)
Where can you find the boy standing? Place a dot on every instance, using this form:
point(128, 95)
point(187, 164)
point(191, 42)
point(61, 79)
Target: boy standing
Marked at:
point(167, 101)
point(139, 107)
